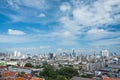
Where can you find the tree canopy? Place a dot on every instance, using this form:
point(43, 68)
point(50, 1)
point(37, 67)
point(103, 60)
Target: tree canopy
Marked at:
point(48, 72)
point(68, 72)
point(28, 65)
point(65, 73)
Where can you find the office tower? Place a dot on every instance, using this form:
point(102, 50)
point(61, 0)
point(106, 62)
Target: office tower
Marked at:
point(74, 54)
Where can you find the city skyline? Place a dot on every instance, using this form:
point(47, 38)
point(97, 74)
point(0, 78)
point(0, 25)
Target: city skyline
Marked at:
point(59, 25)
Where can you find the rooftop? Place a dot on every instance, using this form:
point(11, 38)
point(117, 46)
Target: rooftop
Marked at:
point(79, 78)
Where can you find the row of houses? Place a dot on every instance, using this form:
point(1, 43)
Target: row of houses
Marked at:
point(17, 73)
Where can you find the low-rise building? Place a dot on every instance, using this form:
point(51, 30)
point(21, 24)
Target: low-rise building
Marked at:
point(80, 78)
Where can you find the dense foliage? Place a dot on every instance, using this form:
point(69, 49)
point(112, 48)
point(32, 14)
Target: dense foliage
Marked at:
point(48, 72)
point(65, 73)
point(68, 72)
point(28, 65)
point(32, 66)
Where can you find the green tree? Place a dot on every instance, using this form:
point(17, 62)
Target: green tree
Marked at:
point(48, 78)
point(59, 77)
point(37, 66)
point(119, 70)
point(29, 65)
point(60, 65)
point(68, 72)
point(48, 72)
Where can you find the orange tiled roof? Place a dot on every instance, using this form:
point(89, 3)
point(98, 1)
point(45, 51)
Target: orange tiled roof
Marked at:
point(110, 79)
point(5, 74)
point(12, 73)
point(20, 78)
point(9, 73)
point(37, 78)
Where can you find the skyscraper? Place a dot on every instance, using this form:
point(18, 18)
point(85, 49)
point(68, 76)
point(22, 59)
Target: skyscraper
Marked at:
point(105, 53)
point(73, 53)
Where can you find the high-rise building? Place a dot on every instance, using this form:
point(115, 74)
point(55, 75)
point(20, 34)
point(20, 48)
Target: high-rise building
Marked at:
point(17, 54)
point(51, 55)
point(73, 53)
point(79, 58)
point(105, 53)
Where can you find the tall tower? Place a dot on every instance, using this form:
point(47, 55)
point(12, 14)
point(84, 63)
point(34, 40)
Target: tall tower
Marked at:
point(73, 53)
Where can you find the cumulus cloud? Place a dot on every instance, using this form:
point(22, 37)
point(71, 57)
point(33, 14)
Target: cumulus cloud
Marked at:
point(95, 15)
point(88, 20)
point(65, 7)
point(15, 32)
point(84, 20)
point(41, 15)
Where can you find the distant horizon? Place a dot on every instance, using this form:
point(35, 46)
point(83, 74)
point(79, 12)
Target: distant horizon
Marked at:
point(33, 26)
point(68, 51)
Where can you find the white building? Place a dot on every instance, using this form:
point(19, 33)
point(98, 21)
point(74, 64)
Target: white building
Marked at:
point(105, 53)
point(12, 63)
point(17, 54)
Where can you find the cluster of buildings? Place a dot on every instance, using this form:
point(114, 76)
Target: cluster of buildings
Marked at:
point(102, 66)
point(17, 73)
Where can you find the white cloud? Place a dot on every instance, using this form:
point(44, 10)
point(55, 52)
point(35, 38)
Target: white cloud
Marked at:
point(14, 39)
point(16, 18)
point(95, 34)
point(66, 33)
point(13, 4)
point(106, 42)
point(65, 7)
point(80, 17)
point(41, 15)
point(25, 10)
point(64, 37)
point(70, 25)
point(95, 15)
point(88, 17)
point(37, 4)
point(15, 32)
point(44, 47)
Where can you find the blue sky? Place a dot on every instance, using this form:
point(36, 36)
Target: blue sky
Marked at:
point(38, 26)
